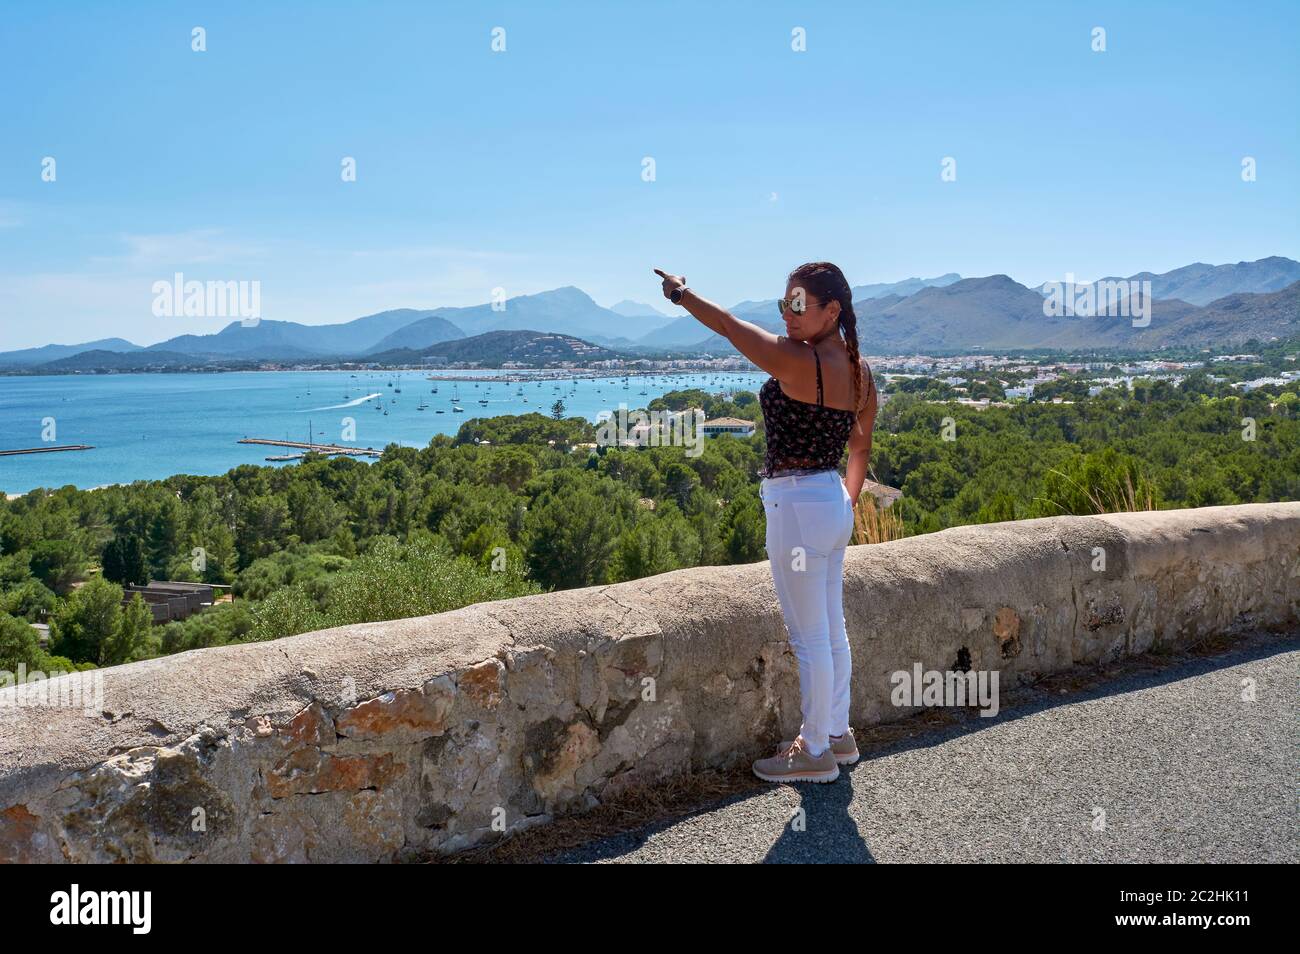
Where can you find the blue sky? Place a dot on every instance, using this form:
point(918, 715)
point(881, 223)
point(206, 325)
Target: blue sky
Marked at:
point(523, 169)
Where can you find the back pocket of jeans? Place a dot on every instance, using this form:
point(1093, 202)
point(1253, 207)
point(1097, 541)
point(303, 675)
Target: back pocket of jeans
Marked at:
point(819, 525)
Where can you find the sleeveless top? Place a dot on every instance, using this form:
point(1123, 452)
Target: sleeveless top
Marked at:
point(802, 436)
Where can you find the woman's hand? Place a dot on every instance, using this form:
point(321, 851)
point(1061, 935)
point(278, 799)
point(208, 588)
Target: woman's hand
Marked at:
point(671, 282)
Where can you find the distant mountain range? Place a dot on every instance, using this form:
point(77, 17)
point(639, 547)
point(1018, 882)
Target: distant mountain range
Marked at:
point(492, 348)
point(421, 333)
point(141, 359)
point(1201, 284)
point(291, 340)
point(1198, 305)
point(998, 313)
point(636, 309)
point(35, 356)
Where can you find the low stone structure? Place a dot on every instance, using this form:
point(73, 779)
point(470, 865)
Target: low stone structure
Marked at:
point(170, 601)
point(393, 740)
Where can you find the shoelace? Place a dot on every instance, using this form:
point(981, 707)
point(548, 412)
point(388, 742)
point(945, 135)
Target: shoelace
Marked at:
point(796, 747)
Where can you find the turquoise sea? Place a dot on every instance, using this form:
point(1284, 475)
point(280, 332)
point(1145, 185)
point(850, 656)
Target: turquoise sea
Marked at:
point(149, 426)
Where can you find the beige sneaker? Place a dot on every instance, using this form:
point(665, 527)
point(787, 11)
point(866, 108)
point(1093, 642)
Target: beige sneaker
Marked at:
point(845, 748)
point(794, 764)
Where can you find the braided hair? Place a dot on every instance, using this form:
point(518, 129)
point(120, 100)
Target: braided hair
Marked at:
point(828, 283)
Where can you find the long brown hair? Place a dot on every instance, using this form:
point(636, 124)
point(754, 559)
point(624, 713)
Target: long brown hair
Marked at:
point(828, 283)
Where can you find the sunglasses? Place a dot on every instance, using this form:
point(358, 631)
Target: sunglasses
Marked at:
point(797, 305)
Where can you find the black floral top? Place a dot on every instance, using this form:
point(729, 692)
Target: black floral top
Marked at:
point(802, 436)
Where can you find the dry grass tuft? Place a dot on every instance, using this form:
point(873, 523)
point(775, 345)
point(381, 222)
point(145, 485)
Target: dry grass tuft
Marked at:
point(872, 524)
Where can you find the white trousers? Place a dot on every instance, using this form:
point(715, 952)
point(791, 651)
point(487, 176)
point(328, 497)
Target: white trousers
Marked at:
point(809, 523)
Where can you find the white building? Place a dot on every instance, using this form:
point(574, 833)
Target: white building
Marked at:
point(728, 425)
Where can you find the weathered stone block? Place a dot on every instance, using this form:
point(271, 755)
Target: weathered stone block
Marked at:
point(482, 684)
point(312, 771)
point(407, 715)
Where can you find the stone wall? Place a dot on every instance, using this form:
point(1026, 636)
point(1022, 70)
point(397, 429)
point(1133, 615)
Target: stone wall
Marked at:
point(392, 740)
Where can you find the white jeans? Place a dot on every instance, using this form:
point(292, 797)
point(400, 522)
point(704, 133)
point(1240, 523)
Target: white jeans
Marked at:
point(809, 523)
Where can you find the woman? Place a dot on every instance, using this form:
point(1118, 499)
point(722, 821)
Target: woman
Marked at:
point(820, 397)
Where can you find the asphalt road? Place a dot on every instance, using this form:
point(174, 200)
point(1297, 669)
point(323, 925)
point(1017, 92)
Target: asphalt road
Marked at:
point(1183, 768)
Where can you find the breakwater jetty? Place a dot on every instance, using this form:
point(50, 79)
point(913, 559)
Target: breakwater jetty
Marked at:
point(329, 449)
point(46, 450)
